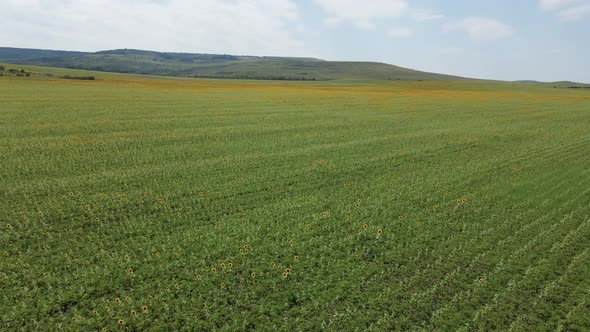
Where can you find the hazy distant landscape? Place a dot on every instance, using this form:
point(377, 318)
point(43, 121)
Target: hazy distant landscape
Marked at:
point(214, 65)
point(230, 66)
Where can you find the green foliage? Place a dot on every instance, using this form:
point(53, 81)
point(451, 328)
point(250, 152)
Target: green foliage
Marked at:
point(344, 205)
point(14, 72)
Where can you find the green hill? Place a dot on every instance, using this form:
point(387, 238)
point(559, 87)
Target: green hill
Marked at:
point(214, 65)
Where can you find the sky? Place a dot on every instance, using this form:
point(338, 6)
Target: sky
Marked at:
point(546, 40)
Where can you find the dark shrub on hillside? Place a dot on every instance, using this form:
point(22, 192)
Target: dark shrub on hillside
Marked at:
point(84, 78)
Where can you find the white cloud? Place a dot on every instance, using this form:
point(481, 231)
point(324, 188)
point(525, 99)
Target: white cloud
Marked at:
point(423, 15)
point(361, 14)
point(551, 5)
point(212, 26)
point(332, 21)
point(567, 9)
point(480, 28)
point(365, 25)
point(400, 32)
point(576, 12)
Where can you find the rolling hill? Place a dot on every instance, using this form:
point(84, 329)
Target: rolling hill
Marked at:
point(214, 65)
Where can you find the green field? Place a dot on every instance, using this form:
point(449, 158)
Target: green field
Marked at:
point(166, 204)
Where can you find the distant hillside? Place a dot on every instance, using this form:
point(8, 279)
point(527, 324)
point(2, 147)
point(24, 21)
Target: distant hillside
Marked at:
point(214, 65)
point(9, 53)
point(559, 84)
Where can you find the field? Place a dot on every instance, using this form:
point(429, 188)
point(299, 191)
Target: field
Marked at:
point(153, 204)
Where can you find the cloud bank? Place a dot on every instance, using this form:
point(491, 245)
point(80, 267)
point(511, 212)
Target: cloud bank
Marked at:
point(361, 14)
point(212, 26)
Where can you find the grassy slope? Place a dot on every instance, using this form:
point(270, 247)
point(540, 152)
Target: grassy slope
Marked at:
point(481, 191)
point(171, 64)
point(322, 70)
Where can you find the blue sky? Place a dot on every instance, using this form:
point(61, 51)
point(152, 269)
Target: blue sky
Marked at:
point(498, 39)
